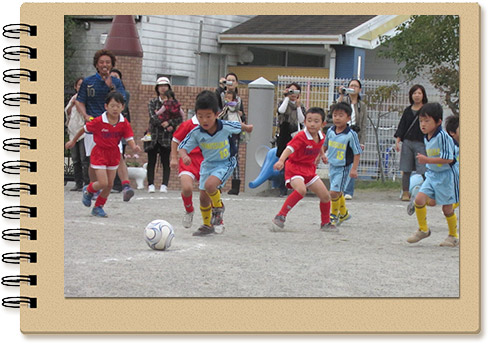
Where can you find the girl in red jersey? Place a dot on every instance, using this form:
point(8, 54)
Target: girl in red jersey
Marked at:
point(300, 169)
point(108, 130)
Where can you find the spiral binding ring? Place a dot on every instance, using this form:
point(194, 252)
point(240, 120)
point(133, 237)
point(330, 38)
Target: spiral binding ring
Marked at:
point(14, 99)
point(15, 302)
point(15, 189)
point(13, 75)
point(14, 121)
point(14, 258)
point(14, 30)
point(16, 280)
point(15, 234)
point(13, 53)
point(15, 212)
point(15, 144)
point(14, 167)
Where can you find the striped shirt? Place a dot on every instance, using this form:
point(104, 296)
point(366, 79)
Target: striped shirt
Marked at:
point(441, 145)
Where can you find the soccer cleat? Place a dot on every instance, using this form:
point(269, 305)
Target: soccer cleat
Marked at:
point(347, 197)
point(99, 212)
point(411, 206)
point(163, 189)
point(86, 197)
point(128, 193)
point(279, 221)
point(334, 219)
point(204, 230)
point(450, 241)
point(151, 188)
point(217, 216)
point(343, 218)
point(329, 227)
point(418, 235)
point(187, 219)
point(96, 195)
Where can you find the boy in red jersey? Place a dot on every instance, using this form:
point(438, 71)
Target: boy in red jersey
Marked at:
point(300, 172)
point(108, 130)
point(187, 173)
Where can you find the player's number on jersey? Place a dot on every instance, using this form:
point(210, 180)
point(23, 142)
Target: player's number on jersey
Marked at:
point(340, 155)
point(224, 154)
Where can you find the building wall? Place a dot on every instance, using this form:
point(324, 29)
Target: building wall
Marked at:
point(251, 73)
point(170, 43)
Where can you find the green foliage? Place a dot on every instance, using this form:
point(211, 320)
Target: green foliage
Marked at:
point(428, 45)
point(378, 185)
point(69, 50)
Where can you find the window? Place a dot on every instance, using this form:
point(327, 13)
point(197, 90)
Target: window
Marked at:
point(270, 57)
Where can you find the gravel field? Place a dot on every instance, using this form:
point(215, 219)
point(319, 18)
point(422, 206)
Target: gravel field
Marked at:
point(368, 257)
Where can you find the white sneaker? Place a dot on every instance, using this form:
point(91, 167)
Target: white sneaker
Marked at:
point(163, 189)
point(151, 188)
point(348, 197)
point(187, 219)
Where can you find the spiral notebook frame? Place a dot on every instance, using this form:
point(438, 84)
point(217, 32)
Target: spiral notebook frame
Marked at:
point(14, 190)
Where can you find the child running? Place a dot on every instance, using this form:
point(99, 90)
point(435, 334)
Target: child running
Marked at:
point(108, 130)
point(441, 178)
point(187, 173)
point(212, 138)
point(343, 156)
point(300, 169)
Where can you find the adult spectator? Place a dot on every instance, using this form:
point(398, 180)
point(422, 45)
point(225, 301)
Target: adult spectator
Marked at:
point(117, 187)
point(290, 114)
point(74, 122)
point(162, 125)
point(230, 83)
point(412, 137)
point(90, 103)
point(352, 96)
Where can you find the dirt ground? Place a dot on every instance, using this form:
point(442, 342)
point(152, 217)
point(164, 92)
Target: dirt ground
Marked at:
point(368, 257)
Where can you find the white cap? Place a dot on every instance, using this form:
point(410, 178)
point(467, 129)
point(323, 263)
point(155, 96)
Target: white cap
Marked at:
point(163, 81)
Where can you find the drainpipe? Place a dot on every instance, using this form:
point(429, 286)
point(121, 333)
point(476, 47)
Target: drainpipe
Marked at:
point(333, 58)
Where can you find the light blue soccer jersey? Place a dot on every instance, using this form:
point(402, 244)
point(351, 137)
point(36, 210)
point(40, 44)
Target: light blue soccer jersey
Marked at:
point(441, 145)
point(456, 154)
point(215, 148)
point(342, 146)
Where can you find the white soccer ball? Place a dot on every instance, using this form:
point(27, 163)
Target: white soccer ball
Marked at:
point(159, 234)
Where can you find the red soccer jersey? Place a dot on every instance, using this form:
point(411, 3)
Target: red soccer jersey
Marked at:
point(305, 151)
point(107, 136)
point(184, 129)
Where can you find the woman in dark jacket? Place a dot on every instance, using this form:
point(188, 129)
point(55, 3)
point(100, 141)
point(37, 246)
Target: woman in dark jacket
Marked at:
point(161, 126)
point(412, 137)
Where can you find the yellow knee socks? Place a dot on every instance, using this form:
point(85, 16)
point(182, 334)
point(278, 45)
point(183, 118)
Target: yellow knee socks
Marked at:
point(452, 223)
point(216, 199)
point(206, 215)
point(342, 208)
point(335, 206)
point(421, 212)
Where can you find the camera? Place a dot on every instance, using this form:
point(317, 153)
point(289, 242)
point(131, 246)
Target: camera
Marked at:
point(293, 92)
point(347, 91)
point(229, 83)
point(355, 128)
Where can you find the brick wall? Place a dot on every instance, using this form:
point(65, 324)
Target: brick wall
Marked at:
point(130, 68)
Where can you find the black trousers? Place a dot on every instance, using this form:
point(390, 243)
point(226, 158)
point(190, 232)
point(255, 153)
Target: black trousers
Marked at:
point(164, 153)
point(81, 164)
point(283, 138)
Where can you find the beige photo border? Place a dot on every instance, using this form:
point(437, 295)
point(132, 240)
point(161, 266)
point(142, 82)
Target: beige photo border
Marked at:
point(56, 314)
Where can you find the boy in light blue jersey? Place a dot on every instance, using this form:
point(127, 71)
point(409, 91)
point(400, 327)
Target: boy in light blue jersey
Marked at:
point(343, 156)
point(212, 137)
point(441, 178)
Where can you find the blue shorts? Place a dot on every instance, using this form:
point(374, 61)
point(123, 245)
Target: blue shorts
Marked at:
point(339, 177)
point(222, 170)
point(442, 186)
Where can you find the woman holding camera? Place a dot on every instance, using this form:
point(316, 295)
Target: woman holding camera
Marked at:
point(351, 95)
point(290, 116)
point(413, 139)
point(230, 83)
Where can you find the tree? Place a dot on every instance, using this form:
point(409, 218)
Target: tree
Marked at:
point(69, 50)
point(428, 45)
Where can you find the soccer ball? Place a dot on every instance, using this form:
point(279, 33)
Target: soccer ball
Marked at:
point(159, 234)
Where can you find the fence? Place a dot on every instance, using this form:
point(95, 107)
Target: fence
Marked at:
point(320, 92)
